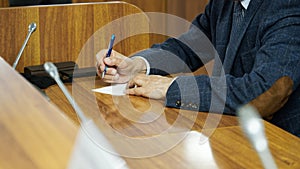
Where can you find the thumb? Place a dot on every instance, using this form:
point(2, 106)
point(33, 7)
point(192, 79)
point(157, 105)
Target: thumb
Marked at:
point(116, 59)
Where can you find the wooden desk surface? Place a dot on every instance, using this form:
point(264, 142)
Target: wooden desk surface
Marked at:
point(227, 147)
point(112, 109)
point(230, 143)
point(33, 133)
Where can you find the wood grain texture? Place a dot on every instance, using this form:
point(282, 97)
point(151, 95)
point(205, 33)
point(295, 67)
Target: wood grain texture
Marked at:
point(63, 31)
point(147, 6)
point(185, 9)
point(34, 133)
point(231, 143)
point(227, 146)
point(123, 113)
point(4, 3)
point(14, 27)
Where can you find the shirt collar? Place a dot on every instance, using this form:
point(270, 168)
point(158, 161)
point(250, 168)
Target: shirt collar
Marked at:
point(245, 3)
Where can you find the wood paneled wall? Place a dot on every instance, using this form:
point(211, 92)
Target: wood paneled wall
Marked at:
point(187, 9)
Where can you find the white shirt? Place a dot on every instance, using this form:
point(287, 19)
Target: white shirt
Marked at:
point(245, 3)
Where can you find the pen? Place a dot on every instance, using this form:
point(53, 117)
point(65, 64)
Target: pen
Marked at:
point(110, 46)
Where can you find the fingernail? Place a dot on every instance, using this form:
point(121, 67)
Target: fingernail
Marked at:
point(113, 71)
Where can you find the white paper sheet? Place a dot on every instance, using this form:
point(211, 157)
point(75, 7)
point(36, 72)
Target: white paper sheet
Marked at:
point(115, 89)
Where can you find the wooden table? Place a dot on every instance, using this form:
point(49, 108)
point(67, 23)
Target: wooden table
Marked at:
point(34, 133)
point(226, 146)
point(112, 108)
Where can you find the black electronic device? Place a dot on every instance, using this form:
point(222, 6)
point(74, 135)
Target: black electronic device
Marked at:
point(37, 75)
point(37, 2)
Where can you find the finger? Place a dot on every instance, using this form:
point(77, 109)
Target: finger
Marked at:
point(99, 69)
point(123, 64)
point(100, 65)
point(131, 84)
point(138, 91)
point(101, 54)
point(113, 60)
point(111, 71)
point(99, 73)
point(111, 78)
point(121, 61)
point(140, 80)
point(108, 70)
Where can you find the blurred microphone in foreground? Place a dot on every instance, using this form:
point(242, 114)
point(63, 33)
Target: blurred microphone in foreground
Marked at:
point(92, 149)
point(31, 29)
point(253, 127)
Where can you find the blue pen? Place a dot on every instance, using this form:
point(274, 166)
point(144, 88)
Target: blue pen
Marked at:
point(110, 46)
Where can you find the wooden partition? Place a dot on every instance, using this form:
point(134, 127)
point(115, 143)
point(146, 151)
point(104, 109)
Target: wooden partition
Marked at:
point(147, 6)
point(66, 31)
point(4, 3)
point(186, 9)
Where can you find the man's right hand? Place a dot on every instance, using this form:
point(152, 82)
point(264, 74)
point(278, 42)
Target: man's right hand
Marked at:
point(120, 69)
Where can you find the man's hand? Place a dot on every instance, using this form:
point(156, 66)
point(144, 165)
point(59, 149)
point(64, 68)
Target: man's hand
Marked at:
point(120, 69)
point(153, 86)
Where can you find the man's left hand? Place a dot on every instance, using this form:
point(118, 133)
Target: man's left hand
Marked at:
point(151, 86)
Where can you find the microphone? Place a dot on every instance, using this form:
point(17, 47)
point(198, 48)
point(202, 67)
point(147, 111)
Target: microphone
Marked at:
point(86, 151)
point(31, 29)
point(253, 127)
point(51, 69)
